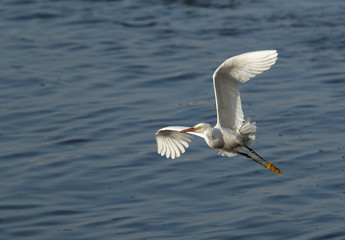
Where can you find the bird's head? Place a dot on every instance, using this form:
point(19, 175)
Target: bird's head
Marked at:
point(199, 128)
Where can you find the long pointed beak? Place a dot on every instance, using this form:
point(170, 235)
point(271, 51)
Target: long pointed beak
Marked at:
point(187, 130)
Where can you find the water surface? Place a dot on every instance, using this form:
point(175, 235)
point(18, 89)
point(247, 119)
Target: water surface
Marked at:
point(84, 85)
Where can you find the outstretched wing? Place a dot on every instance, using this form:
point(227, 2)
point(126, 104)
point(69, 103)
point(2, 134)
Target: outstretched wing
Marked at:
point(171, 143)
point(239, 68)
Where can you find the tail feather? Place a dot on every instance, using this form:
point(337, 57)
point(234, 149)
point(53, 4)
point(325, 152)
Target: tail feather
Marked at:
point(248, 129)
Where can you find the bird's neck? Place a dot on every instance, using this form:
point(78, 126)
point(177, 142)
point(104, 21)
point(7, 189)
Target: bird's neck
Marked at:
point(213, 139)
point(209, 137)
point(208, 133)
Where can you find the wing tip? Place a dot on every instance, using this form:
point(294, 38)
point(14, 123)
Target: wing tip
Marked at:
point(170, 143)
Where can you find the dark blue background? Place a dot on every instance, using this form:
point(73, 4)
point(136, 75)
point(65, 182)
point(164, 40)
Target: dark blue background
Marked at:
point(84, 85)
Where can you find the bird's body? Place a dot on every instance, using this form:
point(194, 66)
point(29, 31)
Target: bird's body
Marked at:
point(231, 134)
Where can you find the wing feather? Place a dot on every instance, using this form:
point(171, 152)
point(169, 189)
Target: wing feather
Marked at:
point(179, 146)
point(159, 145)
point(173, 148)
point(168, 147)
point(171, 143)
point(162, 140)
point(238, 68)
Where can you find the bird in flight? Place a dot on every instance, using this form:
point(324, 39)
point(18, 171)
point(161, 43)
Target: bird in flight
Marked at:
point(232, 135)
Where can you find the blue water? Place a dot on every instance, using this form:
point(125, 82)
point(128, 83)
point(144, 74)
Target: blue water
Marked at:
point(84, 86)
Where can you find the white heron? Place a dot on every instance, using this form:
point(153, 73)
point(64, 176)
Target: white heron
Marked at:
point(231, 134)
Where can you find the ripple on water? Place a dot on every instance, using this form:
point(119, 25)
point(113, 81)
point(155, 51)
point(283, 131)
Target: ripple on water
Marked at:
point(85, 86)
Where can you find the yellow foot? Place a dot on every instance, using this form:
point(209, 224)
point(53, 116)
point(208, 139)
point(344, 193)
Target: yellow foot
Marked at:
point(273, 168)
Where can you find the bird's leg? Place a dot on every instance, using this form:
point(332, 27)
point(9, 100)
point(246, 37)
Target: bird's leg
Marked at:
point(250, 157)
point(252, 151)
point(269, 165)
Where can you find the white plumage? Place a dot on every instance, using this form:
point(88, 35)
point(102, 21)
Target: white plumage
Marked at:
point(231, 135)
